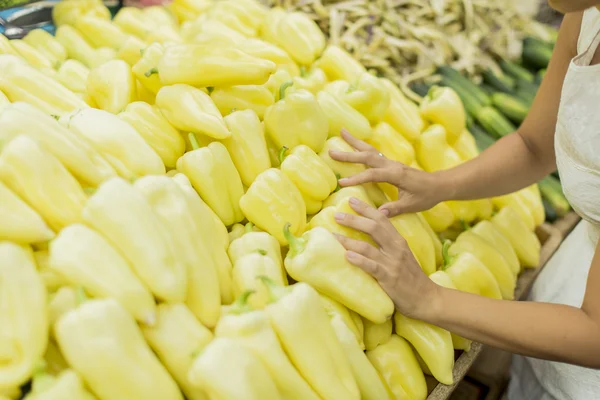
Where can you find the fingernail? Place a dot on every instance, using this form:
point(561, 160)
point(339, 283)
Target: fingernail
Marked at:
point(351, 255)
point(354, 201)
point(338, 216)
point(385, 212)
point(343, 180)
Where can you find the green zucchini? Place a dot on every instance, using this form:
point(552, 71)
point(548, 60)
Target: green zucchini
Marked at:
point(551, 190)
point(453, 75)
point(512, 107)
point(516, 71)
point(551, 214)
point(503, 83)
point(494, 123)
point(539, 77)
point(472, 104)
point(421, 88)
point(536, 56)
point(533, 41)
point(488, 90)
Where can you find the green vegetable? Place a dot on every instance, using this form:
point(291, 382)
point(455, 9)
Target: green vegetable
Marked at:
point(516, 71)
point(494, 123)
point(453, 75)
point(502, 83)
point(512, 107)
point(551, 190)
point(482, 138)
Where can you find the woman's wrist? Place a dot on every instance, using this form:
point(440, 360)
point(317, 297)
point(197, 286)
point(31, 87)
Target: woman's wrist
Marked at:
point(444, 185)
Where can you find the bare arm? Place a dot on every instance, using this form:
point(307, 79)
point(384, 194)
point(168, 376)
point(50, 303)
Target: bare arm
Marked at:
point(524, 157)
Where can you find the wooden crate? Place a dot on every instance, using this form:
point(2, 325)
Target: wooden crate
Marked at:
point(550, 237)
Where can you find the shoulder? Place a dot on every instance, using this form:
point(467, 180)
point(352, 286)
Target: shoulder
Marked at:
point(571, 28)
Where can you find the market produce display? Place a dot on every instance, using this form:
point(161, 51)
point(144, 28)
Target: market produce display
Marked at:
point(167, 206)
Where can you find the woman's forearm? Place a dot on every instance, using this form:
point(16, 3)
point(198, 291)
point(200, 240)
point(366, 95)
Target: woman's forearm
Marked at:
point(505, 167)
point(542, 330)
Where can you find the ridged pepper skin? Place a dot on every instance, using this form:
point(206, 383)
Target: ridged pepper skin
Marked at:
point(21, 82)
point(313, 79)
point(23, 314)
point(344, 193)
point(123, 216)
point(247, 145)
point(338, 64)
point(131, 50)
point(78, 48)
point(101, 332)
point(215, 178)
point(399, 368)
point(418, 239)
point(213, 235)
point(294, 32)
point(296, 119)
point(191, 110)
point(78, 253)
point(116, 141)
point(443, 279)
point(247, 97)
point(443, 106)
point(311, 175)
point(202, 65)
point(490, 257)
point(303, 329)
point(100, 32)
point(272, 201)
point(402, 114)
point(176, 336)
point(73, 75)
point(79, 157)
point(65, 385)
point(246, 274)
point(336, 309)
point(326, 219)
point(465, 146)
point(469, 274)
point(154, 128)
point(42, 181)
point(65, 299)
point(518, 203)
point(433, 344)
point(228, 370)
point(318, 259)
point(6, 47)
point(376, 334)
point(249, 13)
point(391, 144)
point(35, 58)
point(68, 12)
point(268, 51)
point(532, 197)
point(342, 116)
point(524, 242)
point(144, 67)
point(47, 44)
point(133, 21)
point(112, 86)
point(253, 330)
point(19, 222)
point(500, 242)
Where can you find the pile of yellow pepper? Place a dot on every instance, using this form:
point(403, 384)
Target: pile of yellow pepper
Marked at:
point(167, 202)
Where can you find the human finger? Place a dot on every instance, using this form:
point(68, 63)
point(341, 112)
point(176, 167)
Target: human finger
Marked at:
point(371, 267)
point(370, 158)
point(355, 142)
point(356, 222)
point(359, 246)
point(381, 230)
point(369, 175)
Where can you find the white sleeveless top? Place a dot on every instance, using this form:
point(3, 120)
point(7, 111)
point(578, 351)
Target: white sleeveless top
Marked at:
point(563, 280)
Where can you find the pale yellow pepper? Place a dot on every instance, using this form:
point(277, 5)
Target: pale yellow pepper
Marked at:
point(342, 116)
point(112, 86)
point(376, 334)
point(73, 75)
point(100, 32)
point(143, 67)
point(247, 97)
point(339, 64)
point(47, 45)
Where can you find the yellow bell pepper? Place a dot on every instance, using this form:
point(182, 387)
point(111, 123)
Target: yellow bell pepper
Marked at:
point(437, 243)
point(225, 360)
point(54, 360)
point(191, 110)
point(211, 31)
point(73, 75)
point(78, 253)
point(117, 141)
point(237, 231)
point(313, 80)
point(294, 32)
point(398, 366)
point(391, 144)
point(100, 32)
point(133, 21)
point(253, 330)
point(465, 146)
point(165, 140)
point(519, 204)
point(319, 259)
point(118, 343)
point(443, 106)
point(370, 383)
point(61, 302)
point(213, 175)
point(32, 55)
point(343, 116)
point(402, 114)
point(336, 309)
point(19, 222)
point(296, 119)
point(249, 97)
point(47, 45)
point(245, 276)
point(143, 68)
point(276, 80)
point(418, 239)
point(4, 101)
point(311, 175)
point(201, 65)
point(160, 15)
point(470, 242)
point(493, 236)
point(24, 315)
point(52, 280)
point(376, 334)
point(6, 47)
point(21, 82)
point(123, 216)
point(526, 243)
point(469, 274)
point(78, 48)
point(143, 94)
point(247, 145)
point(68, 12)
point(339, 64)
point(268, 51)
point(75, 154)
point(443, 279)
point(345, 193)
point(176, 336)
point(252, 241)
point(303, 329)
point(532, 197)
point(66, 385)
point(42, 181)
point(272, 201)
point(368, 95)
point(243, 15)
point(213, 234)
point(188, 10)
point(112, 86)
point(131, 50)
point(433, 344)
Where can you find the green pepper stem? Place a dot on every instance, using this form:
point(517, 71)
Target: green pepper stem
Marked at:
point(337, 181)
point(262, 252)
point(249, 227)
point(446, 254)
point(303, 71)
point(81, 295)
point(282, 152)
point(283, 88)
point(151, 72)
point(465, 225)
point(194, 140)
point(297, 244)
point(275, 291)
point(241, 306)
point(142, 51)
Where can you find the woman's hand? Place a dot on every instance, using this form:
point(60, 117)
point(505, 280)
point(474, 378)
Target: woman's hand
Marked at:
point(393, 265)
point(417, 190)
